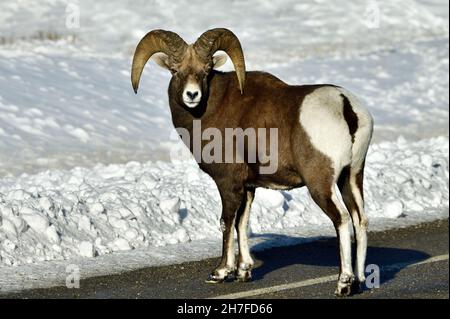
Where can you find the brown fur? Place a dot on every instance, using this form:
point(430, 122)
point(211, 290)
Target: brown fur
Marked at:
point(259, 107)
point(267, 103)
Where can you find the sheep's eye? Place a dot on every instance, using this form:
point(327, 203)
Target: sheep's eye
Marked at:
point(173, 71)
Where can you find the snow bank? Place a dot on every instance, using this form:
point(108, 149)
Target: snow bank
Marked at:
point(57, 215)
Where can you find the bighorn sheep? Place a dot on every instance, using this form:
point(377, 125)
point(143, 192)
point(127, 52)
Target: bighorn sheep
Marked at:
point(323, 137)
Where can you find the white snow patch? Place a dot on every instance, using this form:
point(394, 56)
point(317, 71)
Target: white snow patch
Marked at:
point(393, 209)
point(87, 249)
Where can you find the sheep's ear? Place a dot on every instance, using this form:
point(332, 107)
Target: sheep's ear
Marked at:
point(219, 60)
point(162, 60)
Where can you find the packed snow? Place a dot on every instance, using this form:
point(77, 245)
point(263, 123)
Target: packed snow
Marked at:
point(85, 172)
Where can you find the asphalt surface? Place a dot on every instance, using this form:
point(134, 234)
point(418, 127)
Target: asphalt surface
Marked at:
point(285, 265)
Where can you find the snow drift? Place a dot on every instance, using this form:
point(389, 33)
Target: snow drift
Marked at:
point(59, 214)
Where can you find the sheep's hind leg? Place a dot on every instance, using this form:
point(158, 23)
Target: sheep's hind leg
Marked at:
point(245, 261)
point(351, 185)
point(230, 204)
point(327, 200)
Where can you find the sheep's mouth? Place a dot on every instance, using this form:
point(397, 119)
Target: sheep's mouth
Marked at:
point(191, 104)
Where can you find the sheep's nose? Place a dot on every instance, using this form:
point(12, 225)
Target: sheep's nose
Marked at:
point(192, 95)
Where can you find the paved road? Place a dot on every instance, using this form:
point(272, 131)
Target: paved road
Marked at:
point(301, 271)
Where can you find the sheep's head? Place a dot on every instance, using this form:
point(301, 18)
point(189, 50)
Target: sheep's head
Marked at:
point(190, 65)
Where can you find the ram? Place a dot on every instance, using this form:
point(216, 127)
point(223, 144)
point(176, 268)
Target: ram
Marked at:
point(323, 134)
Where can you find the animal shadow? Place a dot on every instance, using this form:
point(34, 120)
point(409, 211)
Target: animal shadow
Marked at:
point(324, 252)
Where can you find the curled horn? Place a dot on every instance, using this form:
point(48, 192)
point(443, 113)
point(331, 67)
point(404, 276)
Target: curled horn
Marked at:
point(223, 39)
point(153, 42)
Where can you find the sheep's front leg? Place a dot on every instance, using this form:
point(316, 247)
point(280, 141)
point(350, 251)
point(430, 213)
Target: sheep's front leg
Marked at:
point(245, 261)
point(230, 204)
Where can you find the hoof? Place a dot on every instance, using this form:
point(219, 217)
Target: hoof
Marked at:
point(215, 278)
point(345, 286)
point(357, 287)
point(243, 275)
point(343, 291)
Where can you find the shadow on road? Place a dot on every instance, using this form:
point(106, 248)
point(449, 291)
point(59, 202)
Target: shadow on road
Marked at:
point(324, 252)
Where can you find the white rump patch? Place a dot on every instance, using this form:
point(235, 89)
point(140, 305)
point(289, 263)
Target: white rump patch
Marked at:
point(321, 116)
point(364, 131)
